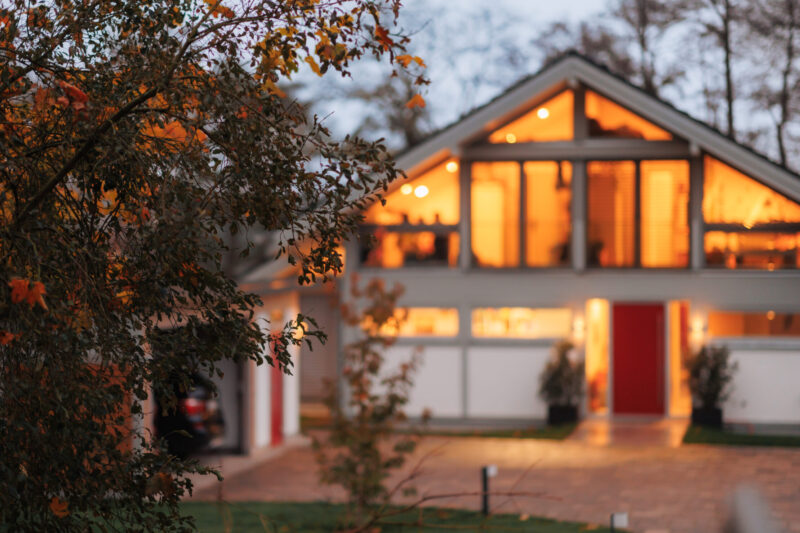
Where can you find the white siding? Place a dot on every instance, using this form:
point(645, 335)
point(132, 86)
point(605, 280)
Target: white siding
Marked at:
point(503, 382)
point(291, 396)
point(437, 382)
point(765, 387)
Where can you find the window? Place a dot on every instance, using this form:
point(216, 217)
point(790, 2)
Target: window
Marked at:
point(548, 196)
point(495, 214)
point(748, 225)
point(422, 322)
point(550, 121)
point(521, 323)
point(764, 324)
point(607, 119)
point(418, 225)
point(611, 216)
point(665, 216)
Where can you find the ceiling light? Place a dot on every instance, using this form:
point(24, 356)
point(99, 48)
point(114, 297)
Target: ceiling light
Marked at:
point(511, 138)
point(406, 189)
point(421, 191)
point(451, 167)
point(543, 113)
point(770, 315)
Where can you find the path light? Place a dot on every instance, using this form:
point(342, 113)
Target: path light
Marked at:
point(486, 472)
point(619, 520)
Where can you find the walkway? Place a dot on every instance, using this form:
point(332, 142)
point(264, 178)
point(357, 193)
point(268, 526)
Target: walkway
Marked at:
point(665, 489)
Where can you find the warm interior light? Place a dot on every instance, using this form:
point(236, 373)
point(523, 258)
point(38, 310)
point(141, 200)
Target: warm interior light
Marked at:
point(406, 189)
point(770, 315)
point(421, 191)
point(511, 138)
point(543, 113)
point(578, 330)
point(451, 167)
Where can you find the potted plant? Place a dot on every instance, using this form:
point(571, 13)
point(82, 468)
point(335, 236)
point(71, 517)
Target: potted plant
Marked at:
point(710, 374)
point(561, 385)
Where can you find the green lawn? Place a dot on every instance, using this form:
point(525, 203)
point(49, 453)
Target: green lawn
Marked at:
point(702, 435)
point(320, 517)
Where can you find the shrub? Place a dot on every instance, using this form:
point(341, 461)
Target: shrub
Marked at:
point(562, 381)
point(710, 374)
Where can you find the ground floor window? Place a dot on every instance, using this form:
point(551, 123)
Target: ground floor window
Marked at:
point(521, 322)
point(422, 322)
point(753, 324)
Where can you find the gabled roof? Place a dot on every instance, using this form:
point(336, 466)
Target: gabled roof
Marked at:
point(574, 68)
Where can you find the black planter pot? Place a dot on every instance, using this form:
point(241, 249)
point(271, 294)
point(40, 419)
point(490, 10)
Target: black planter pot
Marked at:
point(561, 414)
point(707, 416)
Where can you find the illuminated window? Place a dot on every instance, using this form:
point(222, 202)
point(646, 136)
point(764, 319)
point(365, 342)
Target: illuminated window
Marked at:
point(521, 323)
point(607, 119)
point(550, 121)
point(664, 208)
point(432, 198)
point(730, 197)
point(611, 216)
point(763, 324)
point(680, 398)
point(422, 322)
point(597, 328)
point(495, 214)
point(748, 225)
point(394, 249)
point(548, 197)
point(752, 250)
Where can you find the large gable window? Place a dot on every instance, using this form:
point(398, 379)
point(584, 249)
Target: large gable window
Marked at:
point(612, 213)
point(748, 225)
point(548, 195)
point(607, 119)
point(549, 121)
point(495, 214)
point(418, 225)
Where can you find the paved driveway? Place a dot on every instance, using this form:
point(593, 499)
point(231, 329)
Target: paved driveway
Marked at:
point(665, 489)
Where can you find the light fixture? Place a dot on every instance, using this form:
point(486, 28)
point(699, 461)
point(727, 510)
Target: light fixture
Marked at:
point(421, 191)
point(770, 315)
point(511, 138)
point(406, 189)
point(451, 167)
point(543, 113)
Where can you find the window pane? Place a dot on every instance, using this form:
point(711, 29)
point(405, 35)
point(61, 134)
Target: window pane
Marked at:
point(550, 121)
point(607, 119)
point(548, 197)
point(597, 328)
point(730, 197)
point(765, 324)
point(393, 249)
point(421, 322)
point(664, 208)
point(495, 214)
point(755, 250)
point(521, 322)
point(611, 214)
point(432, 198)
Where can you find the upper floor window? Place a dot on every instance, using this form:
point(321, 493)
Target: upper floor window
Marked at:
point(748, 225)
point(638, 214)
point(549, 121)
point(495, 214)
point(418, 225)
point(548, 195)
point(607, 119)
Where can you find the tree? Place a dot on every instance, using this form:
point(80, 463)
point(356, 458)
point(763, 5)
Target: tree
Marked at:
point(135, 137)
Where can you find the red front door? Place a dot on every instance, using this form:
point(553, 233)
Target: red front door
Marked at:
point(276, 404)
point(638, 367)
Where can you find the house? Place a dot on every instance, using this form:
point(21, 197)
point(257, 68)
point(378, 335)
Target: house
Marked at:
point(575, 205)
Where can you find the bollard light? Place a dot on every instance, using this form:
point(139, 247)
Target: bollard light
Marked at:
point(486, 472)
point(619, 520)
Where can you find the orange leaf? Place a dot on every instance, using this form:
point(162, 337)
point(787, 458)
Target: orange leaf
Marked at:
point(382, 34)
point(406, 60)
point(58, 507)
point(73, 93)
point(36, 295)
point(19, 289)
point(314, 66)
point(6, 337)
point(416, 101)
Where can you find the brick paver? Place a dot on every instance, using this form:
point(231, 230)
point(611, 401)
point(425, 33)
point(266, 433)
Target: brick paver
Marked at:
point(680, 489)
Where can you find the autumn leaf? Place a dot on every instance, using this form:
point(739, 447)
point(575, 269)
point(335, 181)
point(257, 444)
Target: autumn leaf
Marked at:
point(406, 60)
point(36, 295)
point(58, 507)
point(19, 289)
point(6, 337)
point(416, 101)
point(314, 66)
point(382, 34)
point(107, 202)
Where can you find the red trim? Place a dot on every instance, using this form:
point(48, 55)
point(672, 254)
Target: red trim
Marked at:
point(276, 406)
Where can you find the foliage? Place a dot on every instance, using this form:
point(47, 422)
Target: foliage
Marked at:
point(320, 517)
point(705, 435)
point(362, 449)
point(136, 137)
point(562, 380)
point(710, 374)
